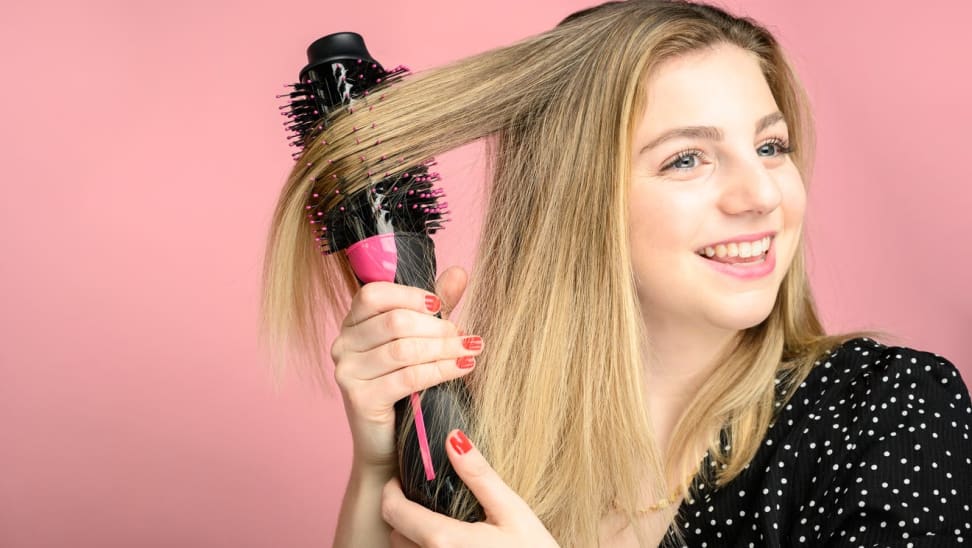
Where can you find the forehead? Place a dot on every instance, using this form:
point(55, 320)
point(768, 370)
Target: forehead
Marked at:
point(720, 86)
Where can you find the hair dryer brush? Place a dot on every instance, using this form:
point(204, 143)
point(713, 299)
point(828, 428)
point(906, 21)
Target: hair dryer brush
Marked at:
point(383, 227)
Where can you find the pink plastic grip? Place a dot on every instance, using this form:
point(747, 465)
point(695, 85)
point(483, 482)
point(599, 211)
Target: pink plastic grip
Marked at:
point(374, 259)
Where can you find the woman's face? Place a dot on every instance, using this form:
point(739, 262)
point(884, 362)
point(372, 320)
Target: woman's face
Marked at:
point(719, 190)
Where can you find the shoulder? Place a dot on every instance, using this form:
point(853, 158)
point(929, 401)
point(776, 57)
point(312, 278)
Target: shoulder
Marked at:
point(866, 405)
point(872, 448)
point(879, 446)
point(864, 372)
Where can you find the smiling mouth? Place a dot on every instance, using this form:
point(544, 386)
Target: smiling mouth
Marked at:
point(733, 253)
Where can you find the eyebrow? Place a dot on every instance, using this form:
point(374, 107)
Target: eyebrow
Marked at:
point(708, 132)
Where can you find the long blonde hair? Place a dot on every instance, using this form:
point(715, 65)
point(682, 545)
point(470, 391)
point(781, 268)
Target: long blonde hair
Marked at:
point(558, 407)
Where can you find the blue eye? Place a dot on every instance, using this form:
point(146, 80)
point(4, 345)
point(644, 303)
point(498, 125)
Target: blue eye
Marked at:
point(781, 146)
point(683, 155)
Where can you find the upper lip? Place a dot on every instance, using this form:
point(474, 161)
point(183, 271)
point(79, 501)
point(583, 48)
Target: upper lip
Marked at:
point(743, 238)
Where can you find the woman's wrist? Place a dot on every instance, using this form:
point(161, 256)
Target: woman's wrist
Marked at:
point(360, 522)
point(368, 472)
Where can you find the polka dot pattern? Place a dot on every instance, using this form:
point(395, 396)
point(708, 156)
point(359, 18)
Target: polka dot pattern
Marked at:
point(873, 449)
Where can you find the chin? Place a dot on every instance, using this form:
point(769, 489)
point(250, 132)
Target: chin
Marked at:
point(742, 311)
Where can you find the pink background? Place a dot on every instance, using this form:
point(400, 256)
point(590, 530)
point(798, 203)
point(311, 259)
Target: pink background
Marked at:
point(143, 150)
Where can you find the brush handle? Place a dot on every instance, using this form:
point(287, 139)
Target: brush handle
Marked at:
point(427, 475)
point(441, 414)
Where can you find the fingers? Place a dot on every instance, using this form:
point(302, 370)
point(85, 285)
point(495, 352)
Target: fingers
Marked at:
point(394, 324)
point(377, 297)
point(400, 367)
point(450, 287)
point(419, 377)
point(411, 520)
point(499, 501)
point(400, 353)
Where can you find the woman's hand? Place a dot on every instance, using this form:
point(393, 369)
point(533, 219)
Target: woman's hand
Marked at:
point(390, 345)
point(509, 520)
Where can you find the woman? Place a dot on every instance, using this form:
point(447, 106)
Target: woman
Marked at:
point(629, 387)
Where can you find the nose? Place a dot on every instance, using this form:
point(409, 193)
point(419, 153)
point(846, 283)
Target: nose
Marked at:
point(750, 187)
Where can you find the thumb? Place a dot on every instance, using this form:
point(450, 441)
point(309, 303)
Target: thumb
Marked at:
point(450, 287)
point(499, 501)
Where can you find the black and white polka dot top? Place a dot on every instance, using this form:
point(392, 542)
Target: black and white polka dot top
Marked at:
point(873, 450)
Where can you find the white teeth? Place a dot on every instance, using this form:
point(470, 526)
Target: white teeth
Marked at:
point(743, 249)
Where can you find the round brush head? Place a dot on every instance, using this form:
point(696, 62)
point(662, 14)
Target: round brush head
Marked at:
point(339, 74)
point(339, 69)
point(406, 202)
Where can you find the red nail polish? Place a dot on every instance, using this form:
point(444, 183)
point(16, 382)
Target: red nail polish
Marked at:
point(465, 362)
point(460, 442)
point(472, 343)
point(432, 303)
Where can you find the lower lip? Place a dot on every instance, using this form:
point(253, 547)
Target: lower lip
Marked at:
point(747, 271)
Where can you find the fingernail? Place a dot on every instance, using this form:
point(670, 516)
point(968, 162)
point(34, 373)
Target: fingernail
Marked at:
point(432, 303)
point(465, 362)
point(460, 442)
point(472, 343)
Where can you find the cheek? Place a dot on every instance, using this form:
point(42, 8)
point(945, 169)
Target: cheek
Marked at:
point(647, 222)
point(794, 202)
point(794, 196)
point(664, 221)
point(661, 228)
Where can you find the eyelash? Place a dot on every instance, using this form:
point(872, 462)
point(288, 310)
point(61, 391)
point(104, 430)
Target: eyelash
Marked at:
point(782, 144)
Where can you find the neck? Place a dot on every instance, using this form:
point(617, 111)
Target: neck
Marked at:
point(679, 362)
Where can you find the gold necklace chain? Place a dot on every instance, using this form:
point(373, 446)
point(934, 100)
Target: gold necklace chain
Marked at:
point(659, 504)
